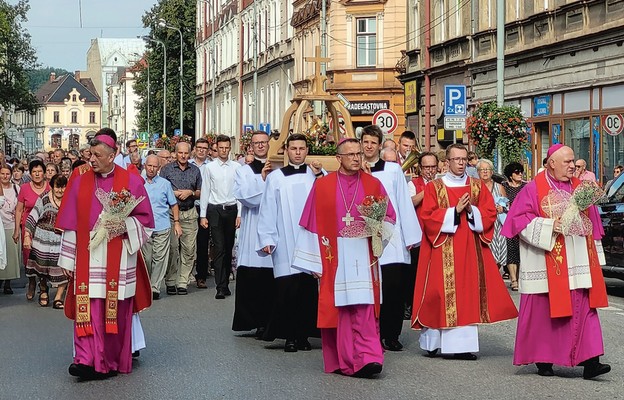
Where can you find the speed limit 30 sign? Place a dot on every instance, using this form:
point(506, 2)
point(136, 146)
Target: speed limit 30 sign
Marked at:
point(613, 124)
point(387, 120)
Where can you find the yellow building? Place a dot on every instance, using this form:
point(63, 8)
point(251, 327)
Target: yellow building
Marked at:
point(69, 113)
point(364, 43)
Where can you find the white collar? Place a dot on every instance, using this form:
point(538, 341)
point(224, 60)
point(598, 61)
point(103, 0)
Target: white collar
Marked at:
point(108, 173)
point(296, 166)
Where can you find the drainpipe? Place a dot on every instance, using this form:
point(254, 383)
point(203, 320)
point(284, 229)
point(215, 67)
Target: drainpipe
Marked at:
point(427, 78)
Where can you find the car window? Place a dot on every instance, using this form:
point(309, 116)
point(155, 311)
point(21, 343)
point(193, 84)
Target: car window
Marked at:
point(615, 192)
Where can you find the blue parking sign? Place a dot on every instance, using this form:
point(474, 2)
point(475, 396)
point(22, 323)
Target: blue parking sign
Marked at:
point(455, 100)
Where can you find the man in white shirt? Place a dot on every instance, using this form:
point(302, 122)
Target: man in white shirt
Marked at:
point(219, 209)
point(202, 147)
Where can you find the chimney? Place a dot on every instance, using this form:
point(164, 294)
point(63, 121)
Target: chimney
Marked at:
point(77, 76)
point(52, 76)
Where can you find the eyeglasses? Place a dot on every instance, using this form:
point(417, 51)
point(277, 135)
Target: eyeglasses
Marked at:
point(485, 169)
point(578, 166)
point(518, 172)
point(201, 148)
point(351, 156)
point(263, 143)
point(458, 160)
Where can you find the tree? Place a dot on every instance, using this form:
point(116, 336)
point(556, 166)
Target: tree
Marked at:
point(177, 13)
point(37, 77)
point(16, 57)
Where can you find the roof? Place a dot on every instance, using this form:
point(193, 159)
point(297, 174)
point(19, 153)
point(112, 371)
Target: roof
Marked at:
point(58, 90)
point(126, 47)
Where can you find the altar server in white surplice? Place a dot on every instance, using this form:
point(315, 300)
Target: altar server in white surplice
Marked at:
point(296, 298)
point(396, 267)
point(255, 285)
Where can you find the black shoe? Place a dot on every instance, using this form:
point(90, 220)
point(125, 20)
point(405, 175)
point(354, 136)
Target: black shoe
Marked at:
point(432, 353)
point(220, 295)
point(260, 333)
point(369, 370)
point(171, 290)
point(392, 344)
point(136, 354)
point(290, 346)
point(182, 291)
point(545, 369)
point(594, 368)
point(88, 372)
point(303, 344)
point(227, 292)
point(155, 296)
point(407, 314)
point(464, 356)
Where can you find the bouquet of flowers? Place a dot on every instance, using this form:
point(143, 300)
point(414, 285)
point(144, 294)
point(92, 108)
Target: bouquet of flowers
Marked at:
point(111, 223)
point(373, 213)
point(569, 207)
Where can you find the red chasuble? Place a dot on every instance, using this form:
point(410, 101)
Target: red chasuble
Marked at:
point(458, 282)
point(327, 227)
point(557, 265)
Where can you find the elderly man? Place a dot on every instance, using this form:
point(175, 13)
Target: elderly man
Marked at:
point(164, 157)
point(331, 248)
point(186, 181)
point(389, 155)
point(108, 274)
point(581, 171)
point(561, 282)
point(162, 199)
point(57, 155)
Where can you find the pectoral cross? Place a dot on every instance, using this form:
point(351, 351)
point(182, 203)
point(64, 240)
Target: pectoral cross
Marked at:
point(82, 287)
point(347, 219)
point(113, 284)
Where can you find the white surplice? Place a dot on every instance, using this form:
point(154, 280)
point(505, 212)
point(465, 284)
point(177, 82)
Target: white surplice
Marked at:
point(248, 190)
point(279, 214)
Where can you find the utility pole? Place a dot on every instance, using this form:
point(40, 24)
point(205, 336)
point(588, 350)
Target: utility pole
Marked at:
point(255, 63)
point(148, 97)
point(500, 65)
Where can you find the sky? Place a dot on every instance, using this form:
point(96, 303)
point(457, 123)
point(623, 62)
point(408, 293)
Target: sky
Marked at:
point(59, 40)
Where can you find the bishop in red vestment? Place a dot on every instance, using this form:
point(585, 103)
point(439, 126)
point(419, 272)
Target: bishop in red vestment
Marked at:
point(458, 284)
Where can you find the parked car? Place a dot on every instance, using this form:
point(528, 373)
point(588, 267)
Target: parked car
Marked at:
point(612, 215)
point(145, 152)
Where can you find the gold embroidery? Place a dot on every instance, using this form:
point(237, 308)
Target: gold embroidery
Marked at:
point(448, 262)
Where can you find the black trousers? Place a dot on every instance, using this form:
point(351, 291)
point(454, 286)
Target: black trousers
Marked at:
point(409, 277)
point(222, 231)
point(393, 304)
point(203, 249)
point(255, 292)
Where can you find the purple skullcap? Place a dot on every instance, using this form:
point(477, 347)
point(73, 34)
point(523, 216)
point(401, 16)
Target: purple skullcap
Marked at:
point(552, 149)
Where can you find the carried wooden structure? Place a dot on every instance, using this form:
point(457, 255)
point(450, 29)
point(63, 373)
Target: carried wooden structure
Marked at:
point(296, 119)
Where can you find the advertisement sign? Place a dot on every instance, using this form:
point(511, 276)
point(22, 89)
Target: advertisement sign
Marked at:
point(367, 107)
point(411, 97)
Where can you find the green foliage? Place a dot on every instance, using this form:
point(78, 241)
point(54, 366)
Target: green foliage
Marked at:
point(16, 57)
point(491, 126)
point(38, 76)
point(181, 14)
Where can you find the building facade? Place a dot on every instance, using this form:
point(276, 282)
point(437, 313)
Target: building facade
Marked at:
point(104, 57)
point(69, 114)
point(563, 67)
point(122, 103)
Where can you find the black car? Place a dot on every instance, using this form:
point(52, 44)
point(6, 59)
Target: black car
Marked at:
point(612, 215)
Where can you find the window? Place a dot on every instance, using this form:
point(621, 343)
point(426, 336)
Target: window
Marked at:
point(366, 42)
point(74, 117)
point(578, 138)
point(57, 117)
point(74, 98)
point(92, 117)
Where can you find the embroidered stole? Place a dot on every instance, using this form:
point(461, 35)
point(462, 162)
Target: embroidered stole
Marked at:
point(113, 256)
point(557, 265)
point(448, 258)
point(327, 231)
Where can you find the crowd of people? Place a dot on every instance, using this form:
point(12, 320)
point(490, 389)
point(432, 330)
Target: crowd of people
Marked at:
point(345, 256)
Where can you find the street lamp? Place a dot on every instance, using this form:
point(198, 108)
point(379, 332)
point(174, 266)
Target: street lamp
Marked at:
point(163, 24)
point(151, 39)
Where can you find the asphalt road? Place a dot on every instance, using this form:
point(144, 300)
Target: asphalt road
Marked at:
point(192, 353)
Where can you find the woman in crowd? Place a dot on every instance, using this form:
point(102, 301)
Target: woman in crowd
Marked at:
point(44, 243)
point(26, 200)
point(7, 214)
point(66, 167)
point(17, 178)
point(485, 168)
point(51, 169)
point(514, 173)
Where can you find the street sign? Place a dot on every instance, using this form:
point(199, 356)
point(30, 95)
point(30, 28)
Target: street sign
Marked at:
point(387, 120)
point(454, 123)
point(613, 124)
point(247, 128)
point(341, 125)
point(455, 100)
point(176, 132)
point(265, 128)
point(144, 137)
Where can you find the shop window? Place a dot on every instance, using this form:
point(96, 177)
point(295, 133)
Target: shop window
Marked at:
point(366, 42)
point(612, 154)
point(577, 136)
